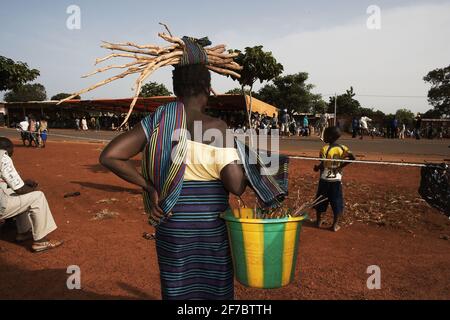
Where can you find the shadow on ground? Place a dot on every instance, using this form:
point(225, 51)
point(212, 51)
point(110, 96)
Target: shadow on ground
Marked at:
point(46, 284)
point(106, 187)
point(98, 168)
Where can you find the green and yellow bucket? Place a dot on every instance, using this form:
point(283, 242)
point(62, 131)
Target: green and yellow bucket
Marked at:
point(264, 250)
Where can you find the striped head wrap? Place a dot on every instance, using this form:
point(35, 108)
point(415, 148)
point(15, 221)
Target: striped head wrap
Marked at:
point(194, 52)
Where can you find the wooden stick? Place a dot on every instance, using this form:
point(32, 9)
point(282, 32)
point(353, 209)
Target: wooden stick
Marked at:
point(172, 39)
point(223, 71)
point(229, 66)
point(217, 48)
point(124, 55)
point(167, 28)
point(239, 203)
point(132, 44)
point(145, 74)
point(215, 60)
point(152, 52)
point(99, 84)
point(112, 67)
point(156, 49)
point(222, 55)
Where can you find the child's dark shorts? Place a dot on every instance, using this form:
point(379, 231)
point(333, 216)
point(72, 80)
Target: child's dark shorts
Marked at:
point(332, 191)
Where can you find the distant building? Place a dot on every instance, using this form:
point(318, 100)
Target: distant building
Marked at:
point(64, 113)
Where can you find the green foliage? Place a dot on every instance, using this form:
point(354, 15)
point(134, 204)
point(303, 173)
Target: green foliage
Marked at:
point(431, 114)
point(154, 89)
point(293, 93)
point(257, 65)
point(27, 92)
point(371, 113)
point(439, 94)
point(14, 74)
point(346, 104)
point(239, 91)
point(318, 106)
point(405, 116)
point(62, 95)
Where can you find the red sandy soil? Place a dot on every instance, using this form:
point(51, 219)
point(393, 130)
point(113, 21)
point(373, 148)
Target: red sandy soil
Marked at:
point(386, 224)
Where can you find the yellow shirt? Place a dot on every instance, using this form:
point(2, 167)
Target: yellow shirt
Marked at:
point(332, 172)
point(204, 162)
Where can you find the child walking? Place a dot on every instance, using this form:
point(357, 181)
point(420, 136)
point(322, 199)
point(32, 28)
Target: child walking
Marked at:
point(330, 185)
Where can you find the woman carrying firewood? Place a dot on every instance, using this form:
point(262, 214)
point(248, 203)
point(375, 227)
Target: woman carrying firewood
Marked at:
point(186, 183)
point(191, 240)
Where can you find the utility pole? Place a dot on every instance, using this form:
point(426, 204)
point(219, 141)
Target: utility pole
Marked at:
point(335, 108)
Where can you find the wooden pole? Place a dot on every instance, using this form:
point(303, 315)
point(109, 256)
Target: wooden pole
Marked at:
point(335, 108)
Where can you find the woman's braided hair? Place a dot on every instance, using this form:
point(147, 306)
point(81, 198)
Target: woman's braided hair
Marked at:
point(191, 80)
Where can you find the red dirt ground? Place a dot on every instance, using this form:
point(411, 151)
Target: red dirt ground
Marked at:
point(386, 224)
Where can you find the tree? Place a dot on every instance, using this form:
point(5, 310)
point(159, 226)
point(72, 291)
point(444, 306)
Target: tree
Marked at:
point(14, 74)
point(154, 89)
point(405, 116)
point(239, 91)
point(257, 65)
point(62, 95)
point(371, 113)
point(346, 104)
point(431, 114)
point(293, 93)
point(439, 94)
point(318, 105)
point(27, 92)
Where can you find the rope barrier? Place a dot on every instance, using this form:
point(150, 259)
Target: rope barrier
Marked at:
point(401, 164)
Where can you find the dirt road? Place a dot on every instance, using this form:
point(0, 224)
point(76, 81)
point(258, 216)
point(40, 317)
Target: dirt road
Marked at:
point(386, 224)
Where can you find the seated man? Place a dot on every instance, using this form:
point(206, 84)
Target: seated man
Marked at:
point(18, 199)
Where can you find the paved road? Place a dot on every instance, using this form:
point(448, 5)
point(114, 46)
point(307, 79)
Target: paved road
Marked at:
point(431, 148)
point(435, 149)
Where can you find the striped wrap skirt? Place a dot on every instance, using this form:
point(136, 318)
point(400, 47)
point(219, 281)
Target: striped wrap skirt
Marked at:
point(192, 246)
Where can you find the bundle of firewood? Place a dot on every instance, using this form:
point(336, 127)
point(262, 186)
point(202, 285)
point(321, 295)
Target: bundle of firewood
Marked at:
point(279, 212)
point(148, 58)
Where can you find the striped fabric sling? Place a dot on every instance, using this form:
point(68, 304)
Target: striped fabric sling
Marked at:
point(270, 188)
point(163, 160)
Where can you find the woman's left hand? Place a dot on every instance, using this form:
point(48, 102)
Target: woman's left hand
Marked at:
point(156, 213)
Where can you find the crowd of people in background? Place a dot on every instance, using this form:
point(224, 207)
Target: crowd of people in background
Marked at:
point(287, 124)
point(82, 122)
point(34, 129)
point(397, 129)
point(106, 122)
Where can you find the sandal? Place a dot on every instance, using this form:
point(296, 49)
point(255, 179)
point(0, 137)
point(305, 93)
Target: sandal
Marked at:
point(148, 236)
point(46, 245)
point(335, 228)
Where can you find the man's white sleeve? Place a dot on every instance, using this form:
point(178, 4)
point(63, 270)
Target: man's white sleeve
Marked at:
point(9, 174)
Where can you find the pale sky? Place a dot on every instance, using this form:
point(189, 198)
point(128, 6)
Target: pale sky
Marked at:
point(328, 39)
